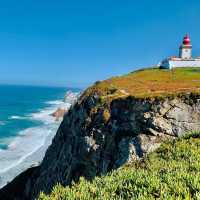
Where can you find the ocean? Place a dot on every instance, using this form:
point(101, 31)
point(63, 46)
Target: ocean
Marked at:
point(26, 125)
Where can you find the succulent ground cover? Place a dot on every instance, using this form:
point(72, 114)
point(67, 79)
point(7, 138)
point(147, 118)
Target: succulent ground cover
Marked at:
point(171, 172)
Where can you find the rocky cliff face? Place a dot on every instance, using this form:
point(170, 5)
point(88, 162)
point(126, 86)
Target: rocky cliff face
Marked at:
point(96, 136)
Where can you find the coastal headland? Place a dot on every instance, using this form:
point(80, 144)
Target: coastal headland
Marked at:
point(115, 122)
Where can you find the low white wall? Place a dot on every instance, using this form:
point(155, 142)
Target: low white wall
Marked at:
point(180, 63)
point(184, 63)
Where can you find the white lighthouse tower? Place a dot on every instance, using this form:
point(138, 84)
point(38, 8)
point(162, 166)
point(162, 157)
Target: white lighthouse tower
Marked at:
point(185, 58)
point(185, 50)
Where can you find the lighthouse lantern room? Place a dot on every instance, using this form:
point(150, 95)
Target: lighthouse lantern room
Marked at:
point(185, 50)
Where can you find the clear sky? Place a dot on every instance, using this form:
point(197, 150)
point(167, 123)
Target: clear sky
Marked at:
point(74, 43)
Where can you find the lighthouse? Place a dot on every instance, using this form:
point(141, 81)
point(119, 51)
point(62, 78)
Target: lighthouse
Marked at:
point(185, 50)
point(184, 59)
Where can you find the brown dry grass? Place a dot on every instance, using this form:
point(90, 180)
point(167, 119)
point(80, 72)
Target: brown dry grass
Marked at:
point(151, 82)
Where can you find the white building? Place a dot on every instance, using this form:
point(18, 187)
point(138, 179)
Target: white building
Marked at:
point(185, 57)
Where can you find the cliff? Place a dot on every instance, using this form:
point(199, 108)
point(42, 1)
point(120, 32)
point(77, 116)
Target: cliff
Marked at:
point(114, 122)
point(171, 172)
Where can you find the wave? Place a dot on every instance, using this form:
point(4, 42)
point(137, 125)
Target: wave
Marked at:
point(56, 102)
point(24, 151)
point(21, 147)
point(28, 148)
point(69, 99)
point(2, 123)
point(17, 117)
point(44, 115)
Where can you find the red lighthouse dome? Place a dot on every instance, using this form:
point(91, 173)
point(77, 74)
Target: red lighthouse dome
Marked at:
point(186, 40)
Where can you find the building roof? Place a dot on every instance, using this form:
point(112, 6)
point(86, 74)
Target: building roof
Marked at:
point(186, 40)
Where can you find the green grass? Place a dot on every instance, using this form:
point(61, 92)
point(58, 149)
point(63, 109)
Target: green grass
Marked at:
point(171, 173)
point(151, 82)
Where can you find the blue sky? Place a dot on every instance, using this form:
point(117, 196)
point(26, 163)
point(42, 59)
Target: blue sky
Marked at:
point(74, 43)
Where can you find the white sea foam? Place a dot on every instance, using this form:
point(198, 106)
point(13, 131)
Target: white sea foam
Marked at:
point(29, 147)
point(44, 115)
point(56, 102)
point(21, 147)
point(17, 117)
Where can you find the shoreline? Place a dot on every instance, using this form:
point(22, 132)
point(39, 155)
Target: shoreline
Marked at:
point(40, 135)
point(32, 159)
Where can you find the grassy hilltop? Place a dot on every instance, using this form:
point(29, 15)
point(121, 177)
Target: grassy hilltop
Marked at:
point(151, 82)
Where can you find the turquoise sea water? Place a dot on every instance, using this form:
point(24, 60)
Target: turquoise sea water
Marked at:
point(26, 125)
point(17, 103)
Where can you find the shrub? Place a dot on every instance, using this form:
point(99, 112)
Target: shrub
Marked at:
point(172, 173)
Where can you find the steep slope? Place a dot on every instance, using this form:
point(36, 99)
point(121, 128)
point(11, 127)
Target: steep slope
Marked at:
point(118, 121)
point(171, 172)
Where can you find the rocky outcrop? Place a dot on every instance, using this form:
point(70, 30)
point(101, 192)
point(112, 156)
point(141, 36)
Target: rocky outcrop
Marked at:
point(70, 98)
point(96, 136)
point(59, 113)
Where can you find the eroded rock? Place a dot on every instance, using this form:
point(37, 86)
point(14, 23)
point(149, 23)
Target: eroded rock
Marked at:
point(89, 144)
